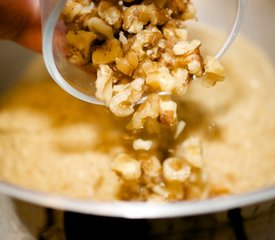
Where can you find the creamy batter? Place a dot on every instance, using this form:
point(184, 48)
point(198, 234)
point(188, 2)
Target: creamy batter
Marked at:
point(55, 143)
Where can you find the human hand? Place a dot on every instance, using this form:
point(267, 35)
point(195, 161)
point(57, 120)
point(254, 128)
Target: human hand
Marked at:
point(21, 22)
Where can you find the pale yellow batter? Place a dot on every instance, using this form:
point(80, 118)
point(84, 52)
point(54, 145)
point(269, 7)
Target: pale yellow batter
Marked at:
point(52, 142)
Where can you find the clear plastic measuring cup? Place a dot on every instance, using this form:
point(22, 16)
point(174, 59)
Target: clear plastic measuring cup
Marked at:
point(81, 84)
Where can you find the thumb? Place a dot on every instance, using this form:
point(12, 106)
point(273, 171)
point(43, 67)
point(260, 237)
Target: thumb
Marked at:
point(20, 22)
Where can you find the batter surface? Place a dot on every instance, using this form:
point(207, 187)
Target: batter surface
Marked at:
point(52, 142)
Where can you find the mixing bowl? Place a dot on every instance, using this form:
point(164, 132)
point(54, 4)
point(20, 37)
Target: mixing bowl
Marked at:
point(258, 25)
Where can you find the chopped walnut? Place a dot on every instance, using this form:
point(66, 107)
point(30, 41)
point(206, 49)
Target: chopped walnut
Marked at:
point(146, 39)
point(122, 38)
point(128, 167)
point(151, 167)
point(74, 9)
point(161, 191)
point(110, 13)
point(181, 34)
point(148, 110)
point(214, 72)
point(108, 52)
point(160, 79)
point(185, 48)
point(100, 27)
point(137, 16)
point(191, 150)
point(178, 7)
point(190, 12)
point(193, 62)
point(140, 144)
point(181, 81)
point(128, 63)
point(122, 104)
point(104, 84)
point(168, 112)
point(79, 46)
point(158, 16)
point(176, 169)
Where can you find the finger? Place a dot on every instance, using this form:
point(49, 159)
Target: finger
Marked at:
point(20, 21)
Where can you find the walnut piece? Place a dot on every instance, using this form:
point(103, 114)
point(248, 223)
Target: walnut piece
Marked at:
point(79, 46)
point(140, 144)
point(108, 52)
point(104, 84)
point(122, 104)
point(214, 72)
point(191, 151)
point(176, 169)
point(148, 110)
point(128, 167)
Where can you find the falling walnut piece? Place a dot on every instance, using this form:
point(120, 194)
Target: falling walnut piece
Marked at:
point(150, 109)
point(128, 167)
point(140, 144)
point(151, 167)
point(176, 169)
point(122, 104)
point(191, 150)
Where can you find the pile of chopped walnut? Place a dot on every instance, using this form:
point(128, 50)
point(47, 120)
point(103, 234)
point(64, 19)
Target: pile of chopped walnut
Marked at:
point(140, 49)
